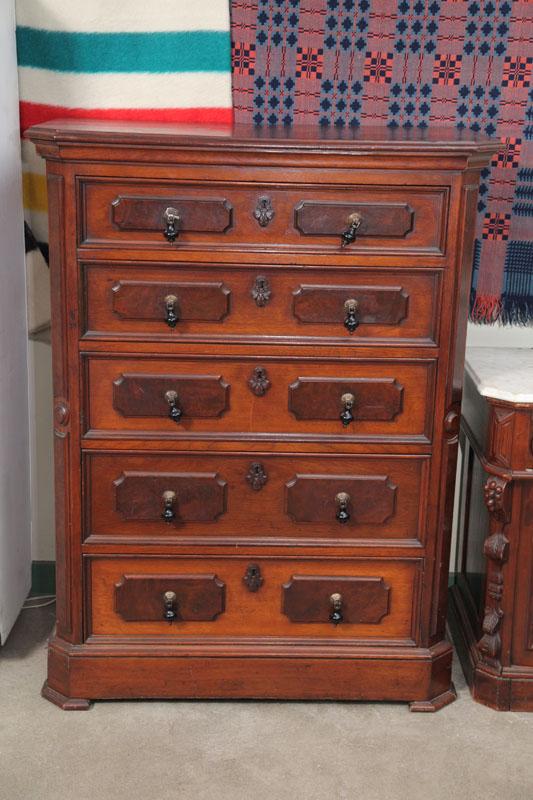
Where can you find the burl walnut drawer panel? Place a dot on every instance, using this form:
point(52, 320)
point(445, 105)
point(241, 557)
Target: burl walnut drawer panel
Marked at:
point(182, 302)
point(238, 597)
point(165, 215)
point(170, 397)
point(254, 496)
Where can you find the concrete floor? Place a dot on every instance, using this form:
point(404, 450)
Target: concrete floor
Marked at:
point(246, 750)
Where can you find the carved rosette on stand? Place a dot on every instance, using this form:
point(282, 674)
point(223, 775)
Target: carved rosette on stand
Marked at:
point(497, 491)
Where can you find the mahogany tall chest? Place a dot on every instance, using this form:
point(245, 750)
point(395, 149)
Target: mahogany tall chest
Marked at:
point(258, 340)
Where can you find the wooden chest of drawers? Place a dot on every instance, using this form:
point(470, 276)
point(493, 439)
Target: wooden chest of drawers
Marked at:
point(258, 349)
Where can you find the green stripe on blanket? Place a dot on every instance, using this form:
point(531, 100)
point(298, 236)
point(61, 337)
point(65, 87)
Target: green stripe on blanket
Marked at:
point(179, 51)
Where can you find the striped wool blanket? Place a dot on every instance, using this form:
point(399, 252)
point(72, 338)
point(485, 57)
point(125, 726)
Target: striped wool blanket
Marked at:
point(462, 63)
point(157, 60)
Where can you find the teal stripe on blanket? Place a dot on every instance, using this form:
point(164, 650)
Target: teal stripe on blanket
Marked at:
point(180, 51)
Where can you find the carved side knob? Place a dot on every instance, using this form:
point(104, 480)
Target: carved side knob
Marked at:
point(61, 412)
point(336, 606)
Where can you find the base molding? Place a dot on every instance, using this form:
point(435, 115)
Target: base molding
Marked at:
point(507, 689)
point(420, 676)
point(65, 703)
point(430, 706)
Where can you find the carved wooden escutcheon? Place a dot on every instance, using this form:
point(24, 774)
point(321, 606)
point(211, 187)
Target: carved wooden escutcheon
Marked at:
point(256, 476)
point(253, 579)
point(259, 382)
point(261, 291)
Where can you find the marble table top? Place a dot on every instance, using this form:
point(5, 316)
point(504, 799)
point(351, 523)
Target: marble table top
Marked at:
point(504, 373)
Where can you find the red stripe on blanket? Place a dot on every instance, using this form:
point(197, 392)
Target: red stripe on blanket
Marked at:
point(35, 113)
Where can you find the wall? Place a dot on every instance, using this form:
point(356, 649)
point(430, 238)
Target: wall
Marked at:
point(15, 557)
point(41, 450)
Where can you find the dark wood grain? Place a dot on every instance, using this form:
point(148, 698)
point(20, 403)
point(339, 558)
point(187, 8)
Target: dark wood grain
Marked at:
point(320, 398)
point(143, 395)
point(140, 598)
point(306, 598)
point(199, 497)
point(145, 300)
point(146, 213)
point(331, 219)
point(375, 306)
point(311, 498)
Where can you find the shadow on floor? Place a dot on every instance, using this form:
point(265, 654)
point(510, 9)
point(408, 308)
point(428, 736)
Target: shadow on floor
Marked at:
point(31, 632)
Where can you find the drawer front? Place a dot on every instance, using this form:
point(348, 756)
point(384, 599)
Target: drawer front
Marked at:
point(402, 218)
point(183, 302)
point(178, 397)
point(223, 496)
point(290, 598)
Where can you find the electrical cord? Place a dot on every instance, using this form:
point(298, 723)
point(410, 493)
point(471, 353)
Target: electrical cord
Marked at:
point(48, 598)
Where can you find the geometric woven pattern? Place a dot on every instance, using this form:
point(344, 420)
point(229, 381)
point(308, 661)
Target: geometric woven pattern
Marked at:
point(457, 63)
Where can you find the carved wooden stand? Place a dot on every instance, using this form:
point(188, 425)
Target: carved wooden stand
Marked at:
point(493, 629)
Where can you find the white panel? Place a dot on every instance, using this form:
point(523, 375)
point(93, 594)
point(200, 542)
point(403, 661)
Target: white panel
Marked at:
point(15, 537)
point(41, 450)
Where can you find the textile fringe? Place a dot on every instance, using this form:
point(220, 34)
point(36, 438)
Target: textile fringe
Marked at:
point(485, 309)
point(507, 310)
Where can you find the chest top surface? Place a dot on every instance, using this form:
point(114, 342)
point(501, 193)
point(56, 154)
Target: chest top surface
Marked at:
point(268, 139)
